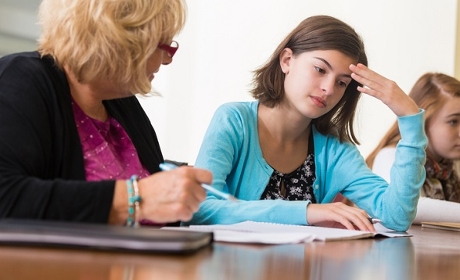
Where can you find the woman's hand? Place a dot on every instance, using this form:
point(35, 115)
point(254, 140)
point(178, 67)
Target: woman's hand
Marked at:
point(167, 196)
point(383, 89)
point(338, 214)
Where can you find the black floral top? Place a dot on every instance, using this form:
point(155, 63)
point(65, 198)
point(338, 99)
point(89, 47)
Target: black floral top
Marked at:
point(297, 184)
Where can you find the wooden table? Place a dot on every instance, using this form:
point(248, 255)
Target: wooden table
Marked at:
point(429, 254)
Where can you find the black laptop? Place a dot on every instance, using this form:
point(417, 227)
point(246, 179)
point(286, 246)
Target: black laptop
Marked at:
point(102, 237)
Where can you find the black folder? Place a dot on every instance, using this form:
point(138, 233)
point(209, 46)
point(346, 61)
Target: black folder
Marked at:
point(42, 233)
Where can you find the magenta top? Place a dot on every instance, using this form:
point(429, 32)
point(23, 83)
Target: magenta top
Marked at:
point(108, 152)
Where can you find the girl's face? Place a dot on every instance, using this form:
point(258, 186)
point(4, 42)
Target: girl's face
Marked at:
point(444, 132)
point(315, 81)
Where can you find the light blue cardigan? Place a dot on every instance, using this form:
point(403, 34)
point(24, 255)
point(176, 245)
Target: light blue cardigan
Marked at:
point(232, 152)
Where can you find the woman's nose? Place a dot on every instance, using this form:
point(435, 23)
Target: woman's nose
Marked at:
point(166, 59)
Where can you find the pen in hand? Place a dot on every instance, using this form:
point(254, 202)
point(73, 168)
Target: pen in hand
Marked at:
point(169, 166)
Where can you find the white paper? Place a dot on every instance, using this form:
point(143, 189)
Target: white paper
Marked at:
point(262, 237)
point(262, 230)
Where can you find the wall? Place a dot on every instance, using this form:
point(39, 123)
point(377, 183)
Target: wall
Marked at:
point(225, 40)
point(18, 28)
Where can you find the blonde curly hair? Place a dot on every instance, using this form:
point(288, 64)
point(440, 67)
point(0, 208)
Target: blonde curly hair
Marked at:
point(108, 39)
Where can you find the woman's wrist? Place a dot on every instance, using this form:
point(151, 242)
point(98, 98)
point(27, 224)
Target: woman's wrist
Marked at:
point(134, 201)
point(119, 211)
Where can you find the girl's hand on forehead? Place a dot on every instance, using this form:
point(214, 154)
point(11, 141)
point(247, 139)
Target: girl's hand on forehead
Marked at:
point(383, 89)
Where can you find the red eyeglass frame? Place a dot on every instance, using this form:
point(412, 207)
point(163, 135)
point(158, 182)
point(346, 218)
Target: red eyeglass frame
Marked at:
point(171, 50)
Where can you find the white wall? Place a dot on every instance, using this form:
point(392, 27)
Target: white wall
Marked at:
point(18, 28)
point(224, 40)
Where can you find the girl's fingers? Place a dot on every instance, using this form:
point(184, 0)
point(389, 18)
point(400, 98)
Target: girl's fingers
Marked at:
point(365, 72)
point(358, 218)
point(353, 218)
point(367, 77)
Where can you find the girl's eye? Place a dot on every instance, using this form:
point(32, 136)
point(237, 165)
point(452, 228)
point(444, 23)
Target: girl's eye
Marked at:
point(342, 84)
point(320, 70)
point(453, 122)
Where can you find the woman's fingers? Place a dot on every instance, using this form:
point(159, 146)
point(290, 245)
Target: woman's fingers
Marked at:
point(173, 195)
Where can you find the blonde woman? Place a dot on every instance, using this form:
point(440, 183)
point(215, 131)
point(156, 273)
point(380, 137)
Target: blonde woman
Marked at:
point(75, 144)
point(439, 95)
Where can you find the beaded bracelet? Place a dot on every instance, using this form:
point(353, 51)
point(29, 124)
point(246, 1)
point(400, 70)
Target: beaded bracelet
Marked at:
point(134, 201)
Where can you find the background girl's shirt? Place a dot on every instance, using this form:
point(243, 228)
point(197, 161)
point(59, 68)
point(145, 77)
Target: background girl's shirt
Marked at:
point(428, 209)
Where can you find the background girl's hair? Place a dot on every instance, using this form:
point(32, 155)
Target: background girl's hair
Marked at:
point(430, 92)
point(315, 33)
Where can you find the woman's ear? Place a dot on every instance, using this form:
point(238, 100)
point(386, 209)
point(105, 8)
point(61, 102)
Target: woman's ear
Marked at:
point(285, 60)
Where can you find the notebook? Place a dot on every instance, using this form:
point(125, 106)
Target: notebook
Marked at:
point(442, 225)
point(272, 233)
point(100, 237)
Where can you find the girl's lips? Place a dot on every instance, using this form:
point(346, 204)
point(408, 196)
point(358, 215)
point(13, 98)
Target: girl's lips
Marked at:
point(319, 101)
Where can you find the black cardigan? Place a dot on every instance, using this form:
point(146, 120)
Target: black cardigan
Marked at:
point(42, 174)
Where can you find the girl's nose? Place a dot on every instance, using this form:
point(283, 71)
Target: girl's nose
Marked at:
point(328, 87)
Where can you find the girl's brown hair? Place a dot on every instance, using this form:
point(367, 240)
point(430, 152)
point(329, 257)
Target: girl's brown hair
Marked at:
point(315, 33)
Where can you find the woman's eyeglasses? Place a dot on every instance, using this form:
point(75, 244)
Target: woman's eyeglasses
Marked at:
point(169, 49)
